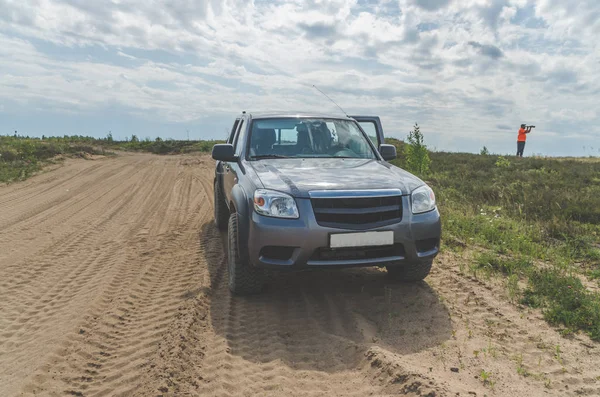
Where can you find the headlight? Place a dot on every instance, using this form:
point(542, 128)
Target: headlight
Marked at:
point(275, 204)
point(423, 200)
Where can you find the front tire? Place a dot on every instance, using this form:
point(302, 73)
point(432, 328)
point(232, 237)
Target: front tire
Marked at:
point(244, 278)
point(221, 210)
point(409, 272)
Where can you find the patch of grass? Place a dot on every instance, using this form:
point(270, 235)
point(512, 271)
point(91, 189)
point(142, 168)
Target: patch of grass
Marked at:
point(490, 350)
point(20, 157)
point(486, 378)
point(520, 369)
point(512, 285)
point(507, 266)
point(564, 300)
point(17, 170)
point(530, 219)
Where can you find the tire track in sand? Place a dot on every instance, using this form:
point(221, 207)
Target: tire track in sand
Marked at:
point(116, 274)
point(42, 303)
point(299, 338)
point(124, 328)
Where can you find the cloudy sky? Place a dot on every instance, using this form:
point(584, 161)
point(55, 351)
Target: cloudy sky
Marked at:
point(468, 71)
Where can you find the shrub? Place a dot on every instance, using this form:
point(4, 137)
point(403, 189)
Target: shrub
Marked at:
point(502, 162)
point(8, 154)
point(417, 155)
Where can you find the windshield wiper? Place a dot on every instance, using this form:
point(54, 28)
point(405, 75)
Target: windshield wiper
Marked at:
point(269, 156)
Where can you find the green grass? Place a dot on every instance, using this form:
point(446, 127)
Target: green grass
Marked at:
point(530, 219)
point(21, 157)
point(564, 301)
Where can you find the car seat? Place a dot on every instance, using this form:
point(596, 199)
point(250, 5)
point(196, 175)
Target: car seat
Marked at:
point(263, 141)
point(304, 143)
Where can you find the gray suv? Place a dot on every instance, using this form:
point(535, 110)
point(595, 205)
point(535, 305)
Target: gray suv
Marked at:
point(305, 191)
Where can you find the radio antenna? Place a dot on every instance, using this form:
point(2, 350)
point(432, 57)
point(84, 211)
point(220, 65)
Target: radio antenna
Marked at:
point(343, 111)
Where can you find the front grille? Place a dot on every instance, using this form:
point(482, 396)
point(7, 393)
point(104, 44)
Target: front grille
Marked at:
point(357, 213)
point(329, 254)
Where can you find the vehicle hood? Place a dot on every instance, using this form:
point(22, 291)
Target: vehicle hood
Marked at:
point(300, 176)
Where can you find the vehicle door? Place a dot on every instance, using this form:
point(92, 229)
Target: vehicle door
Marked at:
point(220, 166)
point(372, 127)
point(232, 168)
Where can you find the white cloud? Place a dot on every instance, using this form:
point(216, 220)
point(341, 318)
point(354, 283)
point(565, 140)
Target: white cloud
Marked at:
point(445, 63)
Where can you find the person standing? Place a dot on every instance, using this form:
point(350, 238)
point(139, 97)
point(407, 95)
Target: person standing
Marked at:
point(523, 131)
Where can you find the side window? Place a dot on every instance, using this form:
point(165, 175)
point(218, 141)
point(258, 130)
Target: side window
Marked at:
point(371, 130)
point(239, 138)
point(233, 130)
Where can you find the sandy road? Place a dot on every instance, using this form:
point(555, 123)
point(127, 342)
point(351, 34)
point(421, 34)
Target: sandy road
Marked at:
point(112, 282)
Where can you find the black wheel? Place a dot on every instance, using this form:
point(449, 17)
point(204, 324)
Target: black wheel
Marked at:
point(221, 210)
point(244, 278)
point(410, 271)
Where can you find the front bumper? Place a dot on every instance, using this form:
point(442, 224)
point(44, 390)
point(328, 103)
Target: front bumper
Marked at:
point(294, 243)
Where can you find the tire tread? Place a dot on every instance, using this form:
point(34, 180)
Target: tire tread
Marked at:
point(221, 209)
point(244, 279)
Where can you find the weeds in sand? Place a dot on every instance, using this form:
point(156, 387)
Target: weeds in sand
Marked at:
point(474, 269)
point(512, 285)
point(460, 361)
point(547, 383)
point(508, 266)
point(491, 349)
point(486, 378)
point(443, 348)
point(520, 369)
point(557, 354)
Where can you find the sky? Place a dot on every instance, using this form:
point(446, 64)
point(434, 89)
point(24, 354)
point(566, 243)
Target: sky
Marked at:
point(468, 71)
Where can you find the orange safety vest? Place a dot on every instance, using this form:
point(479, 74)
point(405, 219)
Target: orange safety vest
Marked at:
point(522, 135)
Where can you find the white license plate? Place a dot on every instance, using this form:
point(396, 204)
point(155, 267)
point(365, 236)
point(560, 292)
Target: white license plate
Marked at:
point(365, 239)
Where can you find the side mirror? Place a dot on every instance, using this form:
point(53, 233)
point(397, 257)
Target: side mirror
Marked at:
point(388, 152)
point(223, 152)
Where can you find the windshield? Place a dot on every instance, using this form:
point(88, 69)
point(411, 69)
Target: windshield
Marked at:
point(298, 137)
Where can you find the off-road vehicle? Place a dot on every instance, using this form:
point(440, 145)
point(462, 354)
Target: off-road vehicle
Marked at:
point(299, 191)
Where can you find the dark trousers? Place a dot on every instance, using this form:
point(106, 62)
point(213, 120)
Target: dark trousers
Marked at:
point(520, 148)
